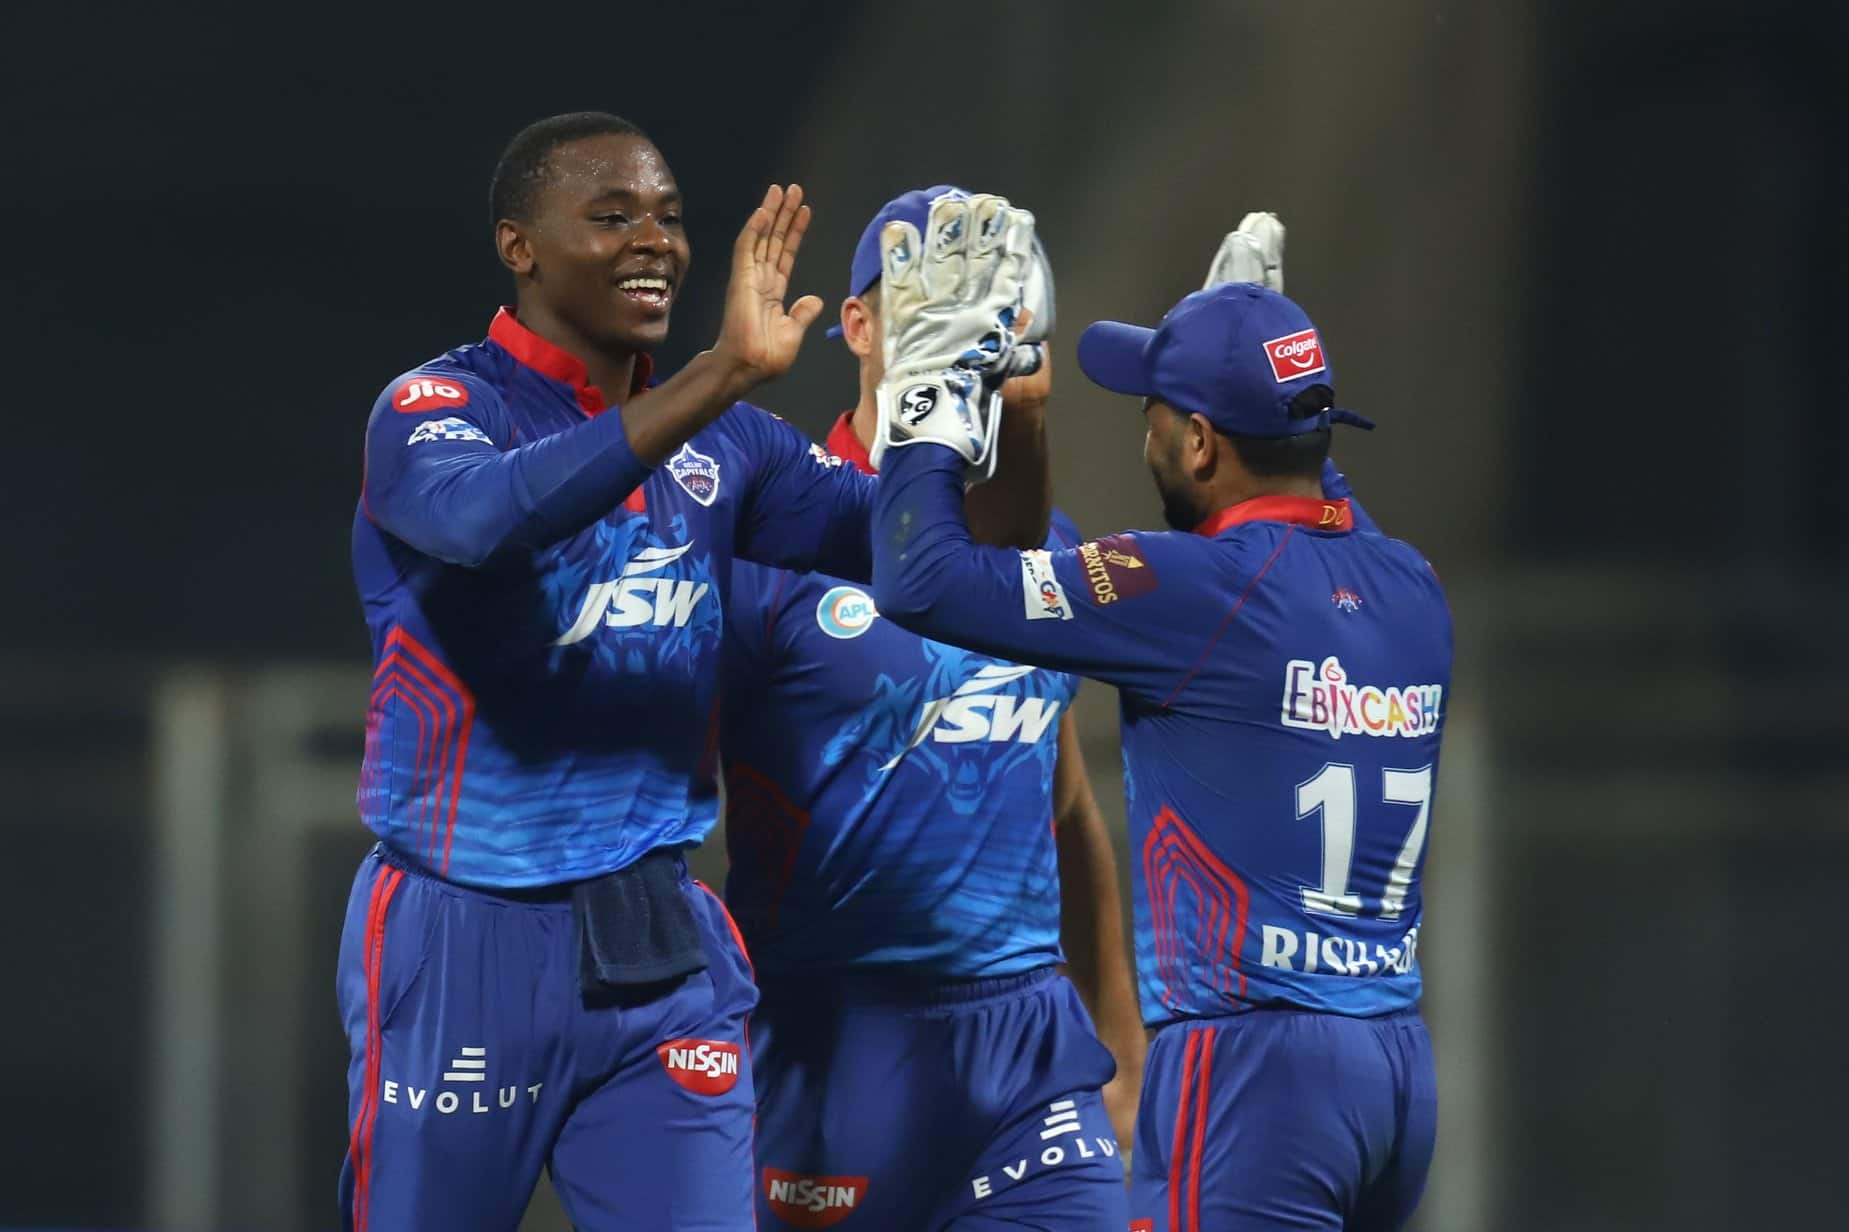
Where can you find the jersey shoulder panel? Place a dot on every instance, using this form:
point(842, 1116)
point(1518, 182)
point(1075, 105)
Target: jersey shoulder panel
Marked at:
point(447, 398)
point(1063, 533)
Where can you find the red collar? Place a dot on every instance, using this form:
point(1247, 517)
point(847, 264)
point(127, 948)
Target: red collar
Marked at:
point(845, 445)
point(561, 365)
point(1310, 511)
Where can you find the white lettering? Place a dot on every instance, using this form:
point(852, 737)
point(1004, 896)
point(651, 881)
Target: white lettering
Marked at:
point(417, 1097)
point(447, 1101)
point(391, 1091)
point(982, 1187)
point(1083, 1150)
point(1322, 698)
point(962, 720)
point(534, 1091)
point(589, 614)
point(1053, 1156)
point(995, 718)
point(1280, 947)
point(475, 1103)
point(1022, 719)
point(1016, 1175)
point(631, 601)
point(674, 602)
point(1332, 955)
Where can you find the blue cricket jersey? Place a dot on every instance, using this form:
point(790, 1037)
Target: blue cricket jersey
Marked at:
point(889, 799)
point(1282, 677)
point(546, 610)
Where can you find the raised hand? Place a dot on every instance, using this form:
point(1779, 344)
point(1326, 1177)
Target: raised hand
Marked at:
point(951, 301)
point(759, 336)
point(1253, 253)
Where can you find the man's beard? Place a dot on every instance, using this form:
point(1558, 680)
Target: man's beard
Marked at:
point(1181, 508)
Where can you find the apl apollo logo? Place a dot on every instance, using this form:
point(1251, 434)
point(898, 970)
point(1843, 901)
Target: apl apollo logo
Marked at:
point(845, 612)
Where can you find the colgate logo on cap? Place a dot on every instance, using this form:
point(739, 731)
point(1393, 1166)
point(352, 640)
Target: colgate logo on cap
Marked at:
point(1295, 355)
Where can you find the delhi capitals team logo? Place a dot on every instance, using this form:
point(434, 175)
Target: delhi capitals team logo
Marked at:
point(697, 474)
point(845, 612)
point(1346, 599)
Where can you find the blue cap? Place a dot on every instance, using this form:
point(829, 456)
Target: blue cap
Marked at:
point(913, 207)
point(1236, 353)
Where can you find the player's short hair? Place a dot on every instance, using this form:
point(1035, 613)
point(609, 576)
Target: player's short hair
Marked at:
point(526, 163)
point(1290, 457)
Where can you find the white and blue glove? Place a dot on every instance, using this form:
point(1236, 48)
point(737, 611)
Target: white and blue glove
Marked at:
point(949, 302)
point(1037, 304)
point(1253, 253)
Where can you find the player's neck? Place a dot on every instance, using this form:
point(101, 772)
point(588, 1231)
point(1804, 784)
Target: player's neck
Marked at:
point(612, 372)
point(864, 419)
point(1237, 491)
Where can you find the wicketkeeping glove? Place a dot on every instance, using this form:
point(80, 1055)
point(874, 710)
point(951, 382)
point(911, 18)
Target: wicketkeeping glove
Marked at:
point(1037, 299)
point(1253, 253)
point(949, 302)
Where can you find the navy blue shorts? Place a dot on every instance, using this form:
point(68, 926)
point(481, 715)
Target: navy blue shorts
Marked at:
point(970, 1106)
point(476, 1059)
point(1284, 1119)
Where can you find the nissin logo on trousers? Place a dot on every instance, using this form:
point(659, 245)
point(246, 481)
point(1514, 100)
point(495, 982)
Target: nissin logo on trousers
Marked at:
point(812, 1201)
point(632, 601)
point(705, 1067)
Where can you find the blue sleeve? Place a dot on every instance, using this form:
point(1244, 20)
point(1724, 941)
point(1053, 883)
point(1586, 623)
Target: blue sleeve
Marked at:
point(1108, 609)
point(806, 509)
point(447, 480)
point(1063, 533)
point(1335, 487)
point(753, 601)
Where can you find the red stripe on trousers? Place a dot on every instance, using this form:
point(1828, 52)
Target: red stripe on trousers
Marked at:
point(1181, 1132)
point(731, 924)
point(382, 891)
point(739, 939)
point(1200, 1125)
point(359, 1118)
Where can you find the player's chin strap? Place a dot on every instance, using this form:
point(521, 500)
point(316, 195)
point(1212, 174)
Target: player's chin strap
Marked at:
point(950, 299)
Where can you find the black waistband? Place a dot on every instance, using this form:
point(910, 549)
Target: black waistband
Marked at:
point(558, 896)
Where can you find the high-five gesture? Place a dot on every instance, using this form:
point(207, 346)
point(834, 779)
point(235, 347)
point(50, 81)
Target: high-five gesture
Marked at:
point(758, 334)
point(758, 339)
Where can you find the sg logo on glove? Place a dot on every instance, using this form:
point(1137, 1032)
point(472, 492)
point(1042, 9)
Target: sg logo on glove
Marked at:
point(916, 403)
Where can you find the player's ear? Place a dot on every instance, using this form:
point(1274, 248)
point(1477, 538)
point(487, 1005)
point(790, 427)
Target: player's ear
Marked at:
point(860, 328)
point(1200, 447)
point(511, 245)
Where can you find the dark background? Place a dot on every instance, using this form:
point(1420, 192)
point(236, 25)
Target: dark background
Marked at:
point(1584, 261)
